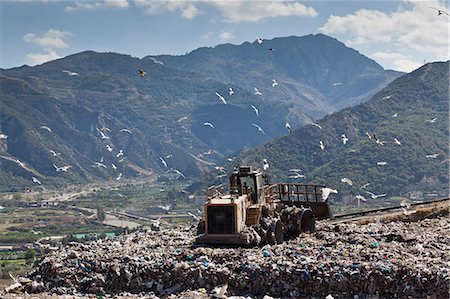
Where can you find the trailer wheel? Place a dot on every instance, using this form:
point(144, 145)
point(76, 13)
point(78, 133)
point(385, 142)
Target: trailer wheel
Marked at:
point(308, 221)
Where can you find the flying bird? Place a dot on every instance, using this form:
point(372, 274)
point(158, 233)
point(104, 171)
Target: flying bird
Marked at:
point(375, 196)
point(431, 121)
point(386, 97)
point(156, 61)
point(364, 186)
point(165, 208)
point(45, 128)
point(120, 153)
point(272, 49)
point(337, 84)
point(317, 125)
point(295, 170)
point(347, 181)
point(433, 156)
point(221, 98)
point(119, 177)
point(178, 172)
point(257, 92)
point(297, 175)
point(288, 127)
point(182, 118)
point(360, 197)
point(163, 162)
point(395, 114)
point(397, 141)
point(440, 11)
point(382, 163)
point(21, 164)
point(35, 180)
point(207, 124)
point(109, 148)
point(103, 135)
point(259, 40)
point(54, 154)
point(230, 91)
point(3, 136)
point(62, 168)
point(169, 156)
point(274, 83)
point(125, 131)
point(265, 164)
point(322, 147)
point(344, 139)
point(256, 110)
point(98, 164)
point(105, 129)
point(327, 191)
point(369, 136)
point(259, 128)
point(114, 166)
point(142, 73)
point(71, 73)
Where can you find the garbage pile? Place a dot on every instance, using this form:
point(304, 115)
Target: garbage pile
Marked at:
point(392, 260)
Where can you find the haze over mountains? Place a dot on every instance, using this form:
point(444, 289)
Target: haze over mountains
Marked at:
point(414, 109)
point(165, 110)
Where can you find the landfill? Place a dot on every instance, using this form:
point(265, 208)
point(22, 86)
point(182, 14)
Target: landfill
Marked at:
point(339, 260)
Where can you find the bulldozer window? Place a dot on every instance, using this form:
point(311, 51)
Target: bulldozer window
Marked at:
point(248, 187)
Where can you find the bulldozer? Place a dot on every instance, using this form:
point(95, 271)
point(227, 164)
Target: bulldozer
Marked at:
point(256, 212)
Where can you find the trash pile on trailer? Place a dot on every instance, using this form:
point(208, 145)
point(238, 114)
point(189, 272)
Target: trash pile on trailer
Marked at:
point(388, 260)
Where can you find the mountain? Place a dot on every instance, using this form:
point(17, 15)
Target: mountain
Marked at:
point(316, 74)
point(164, 110)
point(413, 108)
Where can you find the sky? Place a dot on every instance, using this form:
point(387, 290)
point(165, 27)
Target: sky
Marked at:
point(399, 35)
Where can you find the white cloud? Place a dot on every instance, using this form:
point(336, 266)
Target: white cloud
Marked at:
point(98, 5)
point(187, 8)
point(401, 62)
point(254, 11)
point(39, 58)
point(226, 35)
point(50, 39)
point(414, 26)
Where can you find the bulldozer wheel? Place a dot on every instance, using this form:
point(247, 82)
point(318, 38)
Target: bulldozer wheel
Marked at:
point(308, 221)
point(279, 232)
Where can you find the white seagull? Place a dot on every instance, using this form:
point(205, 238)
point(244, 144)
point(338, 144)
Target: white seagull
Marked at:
point(274, 83)
point(163, 162)
point(431, 121)
point(386, 97)
point(317, 125)
point(288, 127)
point(347, 181)
point(119, 177)
point(395, 114)
point(21, 164)
point(257, 92)
point(433, 156)
point(54, 154)
point(207, 124)
point(382, 163)
point(256, 110)
point(178, 172)
point(62, 168)
point(364, 186)
point(125, 131)
point(45, 128)
point(259, 40)
point(259, 128)
point(99, 164)
point(265, 164)
point(165, 208)
point(169, 156)
point(344, 139)
point(397, 141)
point(326, 192)
point(221, 98)
point(71, 73)
point(35, 180)
point(103, 135)
point(114, 166)
point(322, 147)
point(120, 153)
point(182, 118)
point(360, 197)
point(297, 175)
point(230, 91)
point(109, 148)
point(375, 196)
point(3, 136)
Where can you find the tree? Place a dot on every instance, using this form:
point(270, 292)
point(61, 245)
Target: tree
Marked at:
point(101, 215)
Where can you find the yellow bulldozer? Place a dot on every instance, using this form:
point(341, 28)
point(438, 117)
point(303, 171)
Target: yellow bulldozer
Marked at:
point(256, 212)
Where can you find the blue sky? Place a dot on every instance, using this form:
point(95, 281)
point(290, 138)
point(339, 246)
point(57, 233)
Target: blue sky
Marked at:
point(399, 35)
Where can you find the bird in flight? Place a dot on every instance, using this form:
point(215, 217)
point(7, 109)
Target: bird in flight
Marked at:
point(3, 136)
point(259, 128)
point(142, 73)
point(259, 40)
point(119, 177)
point(178, 172)
point(256, 110)
point(120, 153)
point(125, 131)
point(364, 186)
point(297, 175)
point(62, 168)
point(221, 98)
point(274, 83)
point(433, 156)
point(375, 196)
point(360, 197)
point(397, 141)
point(109, 148)
point(431, 121)
point(71, 73)
point(322, 147)
point(97, 164)
point(21, 164)
point(386, 97)
point(327, 191)
point(45, 128)
point(257, 92)
point(207, 124)
point(316, 125)
point(440, 11)
point(344, 139)
point(163, 162)
point(288, 127)
point(54, 154)
point(230, 91)
point(347, 181)
point(265, 164)
point(395, 115)
point(114, 166)
point(182, 118)
point(369, 136)
point(103, 135)
point(35, 180)
point(382, 163)
point(272, 49)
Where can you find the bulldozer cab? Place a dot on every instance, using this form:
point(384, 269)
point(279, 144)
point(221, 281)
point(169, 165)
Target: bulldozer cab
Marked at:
point(246, 181)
